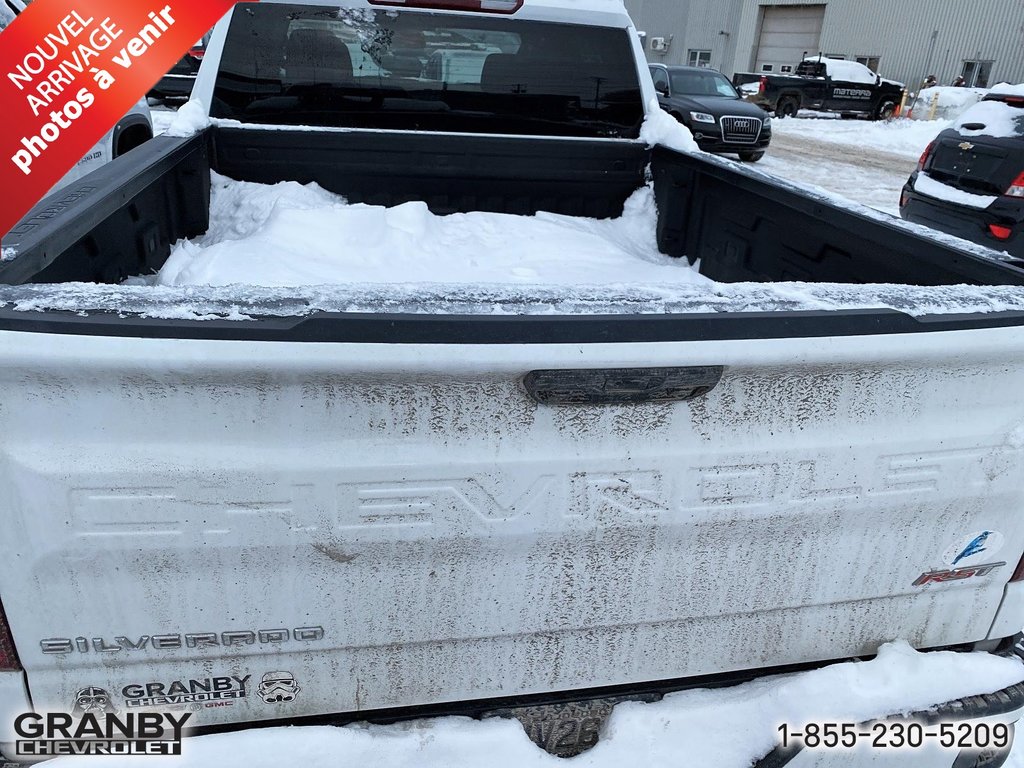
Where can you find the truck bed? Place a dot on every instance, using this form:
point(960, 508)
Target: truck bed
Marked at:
point(738, 226)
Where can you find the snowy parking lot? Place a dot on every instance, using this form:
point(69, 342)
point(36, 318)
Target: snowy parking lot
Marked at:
point(868, 162)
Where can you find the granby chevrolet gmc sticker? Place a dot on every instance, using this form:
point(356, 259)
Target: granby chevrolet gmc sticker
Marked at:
point(188, 641)
point(179, 692)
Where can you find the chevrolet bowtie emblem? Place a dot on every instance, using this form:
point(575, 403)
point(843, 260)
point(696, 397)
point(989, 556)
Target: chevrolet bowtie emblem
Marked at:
point(965, 145)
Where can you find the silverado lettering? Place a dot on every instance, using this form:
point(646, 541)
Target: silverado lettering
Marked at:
point(61, 645)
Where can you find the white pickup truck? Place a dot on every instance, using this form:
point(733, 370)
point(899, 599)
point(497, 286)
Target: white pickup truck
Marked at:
point(324, 504)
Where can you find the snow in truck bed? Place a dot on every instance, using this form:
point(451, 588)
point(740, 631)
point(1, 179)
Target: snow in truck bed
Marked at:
point(288, 234)
point(388, 269)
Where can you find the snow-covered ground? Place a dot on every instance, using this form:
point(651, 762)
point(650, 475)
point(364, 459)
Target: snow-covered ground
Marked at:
point(727, 728)
point(899, 137)
point(868, 162)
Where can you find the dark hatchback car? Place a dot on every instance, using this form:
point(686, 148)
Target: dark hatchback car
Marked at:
point(970, 180)
point(705, 102)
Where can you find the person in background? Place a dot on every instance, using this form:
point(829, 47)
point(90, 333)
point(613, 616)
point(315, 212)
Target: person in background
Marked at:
point(930, 82)
point(960, 82)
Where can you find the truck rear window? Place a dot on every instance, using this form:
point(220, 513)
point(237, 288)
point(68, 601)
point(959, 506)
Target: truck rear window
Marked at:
point(423, 71)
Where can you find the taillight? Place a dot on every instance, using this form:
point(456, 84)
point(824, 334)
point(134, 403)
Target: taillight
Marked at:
point(197, 53)
point(1017, 188)
point(1001, 233)
point(925, 155)
point(8, 655)
point(484, 6)
point(763, 86)
point(1018, 574)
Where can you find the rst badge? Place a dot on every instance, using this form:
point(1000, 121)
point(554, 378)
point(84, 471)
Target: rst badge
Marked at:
point(956, 574)
point(966, 558)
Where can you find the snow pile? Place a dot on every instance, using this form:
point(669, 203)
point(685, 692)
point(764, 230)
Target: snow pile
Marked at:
point(661, 128)
point(189, 120)
point(992, 118)
point(750, 89)
point(1005, 89)
point(730, 727)
point(288, 234)
point(849, 71)
point(926, 185)
point(945, 102)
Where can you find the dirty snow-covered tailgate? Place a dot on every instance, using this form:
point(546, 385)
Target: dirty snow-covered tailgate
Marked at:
point(264, 530)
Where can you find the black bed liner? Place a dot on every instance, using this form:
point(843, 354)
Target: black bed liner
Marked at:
point(122, 220)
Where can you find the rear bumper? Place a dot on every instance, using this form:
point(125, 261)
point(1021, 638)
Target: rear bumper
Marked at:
point(968, 223)
point(570, 724)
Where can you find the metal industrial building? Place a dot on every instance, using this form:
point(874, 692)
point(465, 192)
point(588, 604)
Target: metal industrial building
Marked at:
point(905, 40)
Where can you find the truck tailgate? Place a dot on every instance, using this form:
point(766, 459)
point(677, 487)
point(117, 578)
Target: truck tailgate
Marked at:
point(263, 530)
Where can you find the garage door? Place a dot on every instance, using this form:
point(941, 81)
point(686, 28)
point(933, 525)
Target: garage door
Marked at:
point(786, 33)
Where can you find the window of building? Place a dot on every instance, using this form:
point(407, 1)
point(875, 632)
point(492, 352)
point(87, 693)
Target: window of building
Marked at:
point(976, 74)
point(700, 58)
point(871, 62)
point(786, 68)
point(767, 67)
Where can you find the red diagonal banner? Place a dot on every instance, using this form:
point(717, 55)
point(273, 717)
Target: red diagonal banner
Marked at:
point(70, 69)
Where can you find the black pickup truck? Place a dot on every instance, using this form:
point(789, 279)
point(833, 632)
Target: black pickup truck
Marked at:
point(827, 85)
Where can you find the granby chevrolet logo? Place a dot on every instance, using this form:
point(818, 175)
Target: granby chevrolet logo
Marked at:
point(98, 732)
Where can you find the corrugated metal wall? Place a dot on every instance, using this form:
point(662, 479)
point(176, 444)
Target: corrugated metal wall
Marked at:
point(899, 32)
point(692, 25)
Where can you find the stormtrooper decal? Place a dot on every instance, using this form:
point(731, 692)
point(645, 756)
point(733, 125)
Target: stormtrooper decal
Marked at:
point(93, 700)
point(278, 687)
